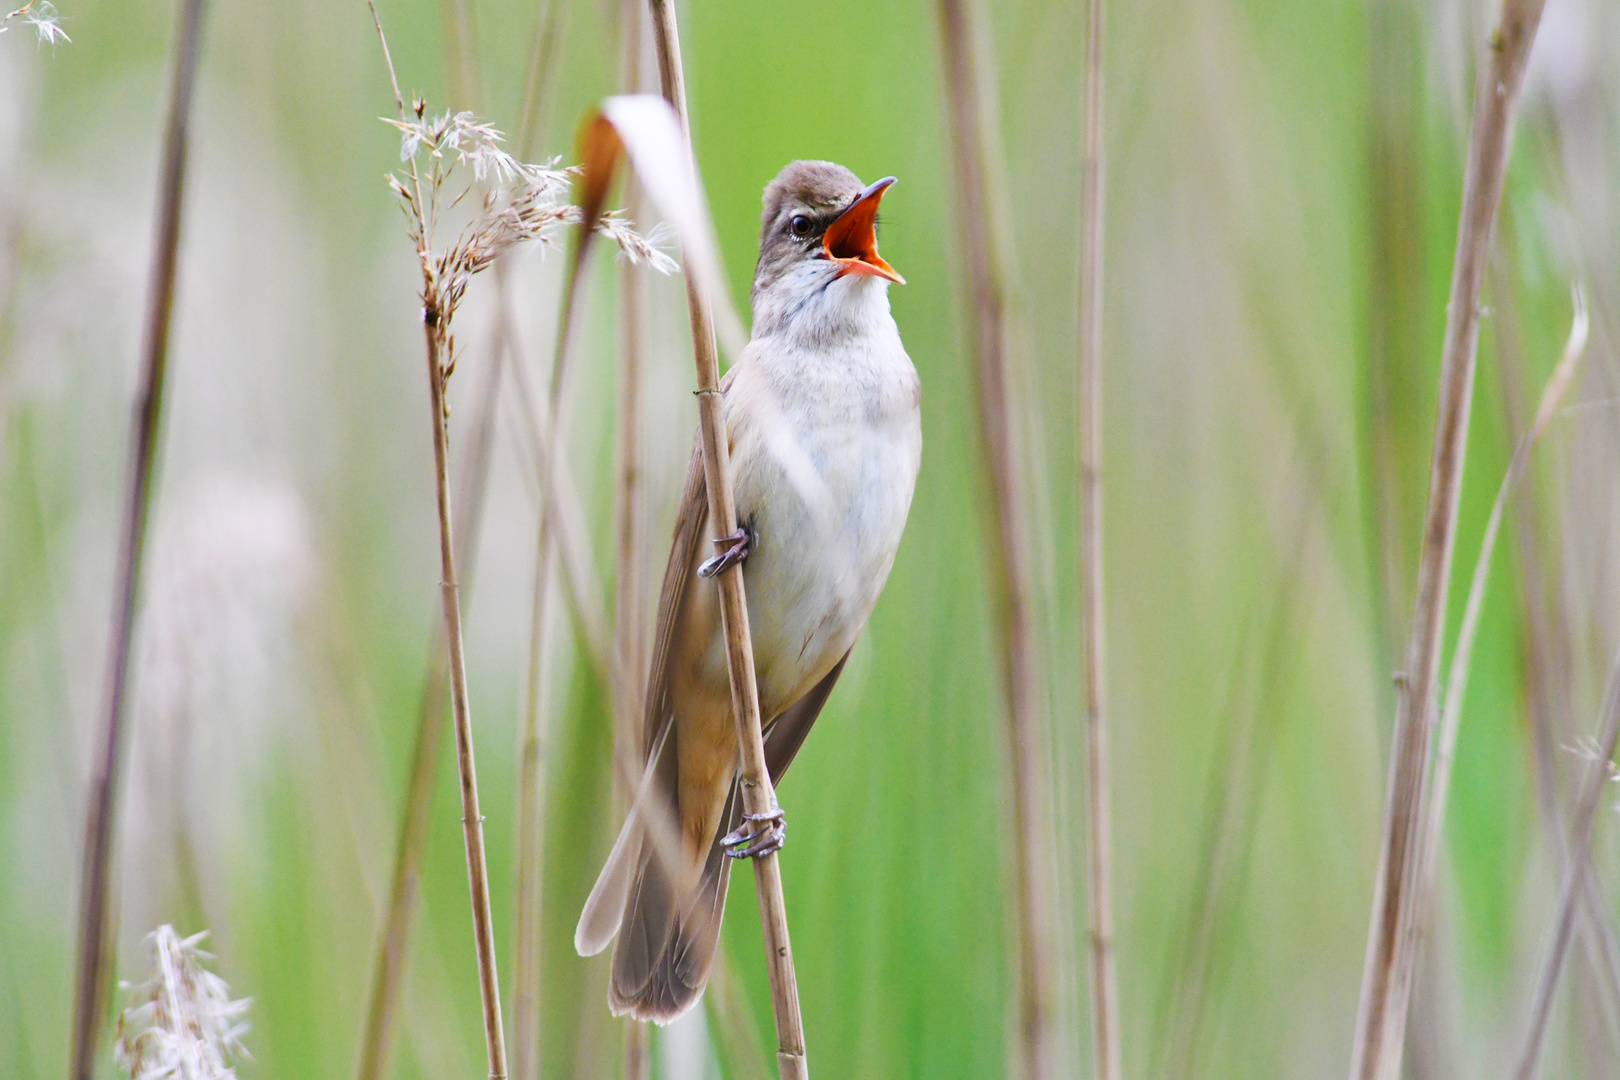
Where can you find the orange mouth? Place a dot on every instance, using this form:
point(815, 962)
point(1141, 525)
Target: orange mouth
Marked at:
point(851, 241)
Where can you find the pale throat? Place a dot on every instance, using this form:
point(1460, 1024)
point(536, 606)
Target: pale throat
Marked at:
point(804, 309)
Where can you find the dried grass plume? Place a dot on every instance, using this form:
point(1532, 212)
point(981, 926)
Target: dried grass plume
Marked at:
point(181, 1023)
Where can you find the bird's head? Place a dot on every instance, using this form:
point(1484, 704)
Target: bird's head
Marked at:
point(818, 252)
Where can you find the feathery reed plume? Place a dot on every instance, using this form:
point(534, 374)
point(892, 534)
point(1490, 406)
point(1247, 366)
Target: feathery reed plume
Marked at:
point(1392, 940)
point(522, 203)
point(1099, 880)
point(43, 17)
point(95, 878)
point(181, 1024)
point(529, 206)
point(1009, 544)
point(388, 969)
point(1591, 794)
point(754, 779)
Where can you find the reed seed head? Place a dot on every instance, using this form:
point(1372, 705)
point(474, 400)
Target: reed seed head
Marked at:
point(181, 1023)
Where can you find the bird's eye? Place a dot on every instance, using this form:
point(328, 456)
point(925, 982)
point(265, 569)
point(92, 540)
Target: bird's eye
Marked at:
point(801, 226)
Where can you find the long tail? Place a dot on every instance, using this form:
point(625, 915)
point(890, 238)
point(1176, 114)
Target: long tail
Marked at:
point(665, 946)
point(664, 910)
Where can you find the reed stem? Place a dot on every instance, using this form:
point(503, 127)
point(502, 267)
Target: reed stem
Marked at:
point(95, 935)
point(435, 332)
point(388, 970)
point(753, 777)
point(1393, 938)
point(1099, 882)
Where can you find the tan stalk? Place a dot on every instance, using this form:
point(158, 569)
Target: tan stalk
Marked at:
point(440, 357)
point(754, 779)
point(436, 335)
point(94, 964)
point(388, 968)
point(1591, 795)
point(389, 965)
point(1008, 544)
point(1099, 881)
point(1393, 937)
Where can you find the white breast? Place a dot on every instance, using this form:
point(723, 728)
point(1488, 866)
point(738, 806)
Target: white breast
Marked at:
point(826, 444)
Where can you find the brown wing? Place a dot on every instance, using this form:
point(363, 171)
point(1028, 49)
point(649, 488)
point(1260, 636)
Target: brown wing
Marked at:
point(691, 520)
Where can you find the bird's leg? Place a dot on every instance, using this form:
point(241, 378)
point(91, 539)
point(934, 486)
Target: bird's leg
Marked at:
point(759, 834)
point(734, 549)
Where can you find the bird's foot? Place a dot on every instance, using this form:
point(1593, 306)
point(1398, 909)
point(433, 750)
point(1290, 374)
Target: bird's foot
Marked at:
point(759, 834)
point(734, 551)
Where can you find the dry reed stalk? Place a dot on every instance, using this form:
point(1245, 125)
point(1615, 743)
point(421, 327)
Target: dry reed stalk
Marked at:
point(95, 878)
point(388, 969)
point(1393, 936)
point(436, 335)
point(444, 276)
point(1591, 794)
point(1008, 545)
point(1099, 880)
point(754, 779)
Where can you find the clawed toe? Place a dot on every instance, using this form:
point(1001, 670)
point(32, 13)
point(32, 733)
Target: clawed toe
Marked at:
point(734, 552)
point(759, 834)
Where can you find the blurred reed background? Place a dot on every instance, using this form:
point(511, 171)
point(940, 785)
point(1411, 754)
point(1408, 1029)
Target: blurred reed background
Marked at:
point(1283, 188)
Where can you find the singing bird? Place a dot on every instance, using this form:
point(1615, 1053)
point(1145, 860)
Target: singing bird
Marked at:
point(823, 423)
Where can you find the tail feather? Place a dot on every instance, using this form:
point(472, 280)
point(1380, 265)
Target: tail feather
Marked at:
point(666, 948)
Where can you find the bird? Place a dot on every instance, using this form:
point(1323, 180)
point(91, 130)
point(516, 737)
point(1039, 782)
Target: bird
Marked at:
point(823, 420)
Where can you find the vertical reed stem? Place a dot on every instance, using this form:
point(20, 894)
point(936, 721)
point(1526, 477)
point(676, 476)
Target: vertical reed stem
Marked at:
point(95, 878)
point(1104, 987)
point(1392, 940)
point(1008, 544)
point(388, 969)
point(472, 821)
point(754, 779)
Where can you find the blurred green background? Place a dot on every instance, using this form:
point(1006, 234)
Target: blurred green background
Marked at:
point(1283, 187)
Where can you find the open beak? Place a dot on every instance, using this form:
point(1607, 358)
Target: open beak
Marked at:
point(851, 241)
